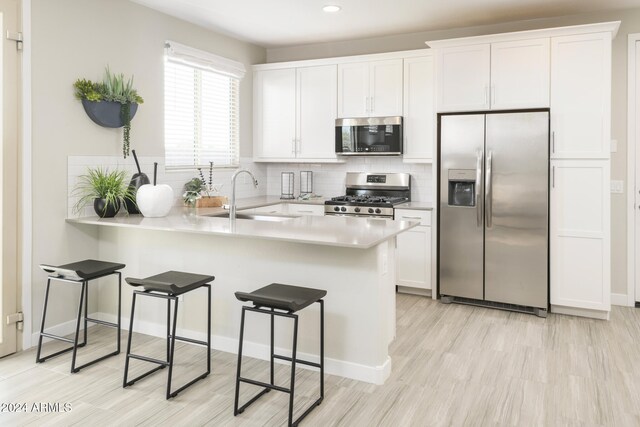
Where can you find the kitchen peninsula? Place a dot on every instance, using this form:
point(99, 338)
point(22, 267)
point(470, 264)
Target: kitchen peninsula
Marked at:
point(352, 258)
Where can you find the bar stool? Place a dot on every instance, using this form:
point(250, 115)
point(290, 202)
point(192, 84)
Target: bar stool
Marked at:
point(80, 272)
point(287, 300)
point(169, 286)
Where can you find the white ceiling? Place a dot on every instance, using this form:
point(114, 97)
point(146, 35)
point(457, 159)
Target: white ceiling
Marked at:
point(272, 23)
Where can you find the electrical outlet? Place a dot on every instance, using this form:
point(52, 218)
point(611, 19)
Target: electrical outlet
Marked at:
point(617, 186)
point(614, 146)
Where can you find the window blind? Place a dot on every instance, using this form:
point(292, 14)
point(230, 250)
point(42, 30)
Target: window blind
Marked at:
point(201, 112)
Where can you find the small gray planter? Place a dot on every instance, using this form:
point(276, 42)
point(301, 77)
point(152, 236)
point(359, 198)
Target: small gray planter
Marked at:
point(107, 113)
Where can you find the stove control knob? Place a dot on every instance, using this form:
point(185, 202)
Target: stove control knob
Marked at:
point(337, 209)
point(378, 211)
point(343, 209)
point(370, 210)
point(357, 210)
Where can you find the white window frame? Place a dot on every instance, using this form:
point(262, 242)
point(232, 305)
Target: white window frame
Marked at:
point(208, 62)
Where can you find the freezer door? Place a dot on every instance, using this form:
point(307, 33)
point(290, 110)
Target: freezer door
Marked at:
point(461, 208)
point(517, 208)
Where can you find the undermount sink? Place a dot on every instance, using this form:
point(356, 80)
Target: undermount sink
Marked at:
point(257, 216)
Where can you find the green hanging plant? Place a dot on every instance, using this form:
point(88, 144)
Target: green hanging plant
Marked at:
point(113, 88)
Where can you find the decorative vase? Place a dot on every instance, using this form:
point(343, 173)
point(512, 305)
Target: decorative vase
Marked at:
point(155, 201)
point(137, 181)
point(107, 113)
point(104, 210)
point(211, 202)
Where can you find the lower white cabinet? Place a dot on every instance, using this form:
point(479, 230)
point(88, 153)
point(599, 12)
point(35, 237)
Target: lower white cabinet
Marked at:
point(414, 250)
point(579, 232)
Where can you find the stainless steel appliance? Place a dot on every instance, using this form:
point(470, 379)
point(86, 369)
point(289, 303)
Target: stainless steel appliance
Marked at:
point(377, 136)
point(371, 195)
point(494, 209)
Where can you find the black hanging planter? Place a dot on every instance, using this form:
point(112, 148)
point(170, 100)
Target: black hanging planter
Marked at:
point(107, 113)
point(104, 209)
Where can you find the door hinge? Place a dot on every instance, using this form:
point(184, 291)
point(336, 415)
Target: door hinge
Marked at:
point(16, 37)
point(17, 318)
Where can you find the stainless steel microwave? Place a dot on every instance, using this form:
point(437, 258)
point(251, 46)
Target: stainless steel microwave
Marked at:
point(372, 136)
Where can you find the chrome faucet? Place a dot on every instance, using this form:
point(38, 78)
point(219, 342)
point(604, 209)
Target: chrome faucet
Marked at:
point(232, 206)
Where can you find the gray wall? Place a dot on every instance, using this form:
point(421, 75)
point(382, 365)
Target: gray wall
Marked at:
point(78, 38)
point(630, 24)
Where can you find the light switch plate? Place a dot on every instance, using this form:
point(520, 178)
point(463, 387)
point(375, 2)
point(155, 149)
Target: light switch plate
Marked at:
point(614, 146)
point(617, 186)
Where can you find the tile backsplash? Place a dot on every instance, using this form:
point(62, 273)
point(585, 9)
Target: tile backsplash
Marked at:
point(328, 179)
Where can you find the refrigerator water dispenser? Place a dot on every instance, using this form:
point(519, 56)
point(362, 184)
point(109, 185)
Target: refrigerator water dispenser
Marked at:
point(462, 187)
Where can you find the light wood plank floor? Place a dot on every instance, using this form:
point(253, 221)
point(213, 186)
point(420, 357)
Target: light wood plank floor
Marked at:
point(452, 365)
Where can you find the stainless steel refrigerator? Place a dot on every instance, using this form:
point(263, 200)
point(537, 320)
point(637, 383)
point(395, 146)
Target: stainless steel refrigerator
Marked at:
point(494, 209)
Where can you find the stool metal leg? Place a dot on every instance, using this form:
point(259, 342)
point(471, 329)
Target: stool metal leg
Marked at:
point(126, 359)
point(173, 347)
point(86, 312)
point(208, 329)
point(321, 351)
point(293, 368)
point(83, 292)
point(272, 347)
point(44, 316)
point(119, 320)
point(239, 368)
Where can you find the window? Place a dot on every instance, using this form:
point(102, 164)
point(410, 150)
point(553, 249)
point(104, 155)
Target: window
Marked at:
point(201, 115)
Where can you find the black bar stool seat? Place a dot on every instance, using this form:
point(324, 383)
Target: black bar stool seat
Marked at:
point(282, 300)
point(80, 272)
point(169, 285)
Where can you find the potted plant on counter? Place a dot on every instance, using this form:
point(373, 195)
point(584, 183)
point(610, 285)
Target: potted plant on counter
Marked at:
point(111, 103)
point(108, 191)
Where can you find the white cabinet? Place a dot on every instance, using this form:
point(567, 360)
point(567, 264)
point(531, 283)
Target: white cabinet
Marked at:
point(370, 89)
point(520, 74)
point(464, 78)
point(579, 229)
point(581, 96)
point(294, 114)
point(275, 113)
point(494, 76)
point(414, 250)
point(419, 114)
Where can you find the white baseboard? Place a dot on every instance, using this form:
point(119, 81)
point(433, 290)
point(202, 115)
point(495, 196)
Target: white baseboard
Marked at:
point(620, 299)
point(414, 291)
point(582, 312)
point(371, 374)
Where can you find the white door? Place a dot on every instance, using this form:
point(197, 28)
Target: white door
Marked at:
point(275, 112)
point(520, 74)
point(9, 173)
point(419, 108)
point(579, 234)
point(386, 88)
point(464, 78)
point(580, 96)
point(316, 106)
point(636, 189)
point(353, 90)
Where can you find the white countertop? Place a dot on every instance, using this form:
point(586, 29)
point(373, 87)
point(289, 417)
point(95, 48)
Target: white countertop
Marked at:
point(421, 206)
point(341, 231)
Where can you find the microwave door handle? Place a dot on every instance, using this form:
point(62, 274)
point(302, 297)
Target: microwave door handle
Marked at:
point(489, 192)
point(478, 188)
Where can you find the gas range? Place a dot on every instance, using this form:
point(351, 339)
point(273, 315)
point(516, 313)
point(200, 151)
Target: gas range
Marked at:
point(371, 195)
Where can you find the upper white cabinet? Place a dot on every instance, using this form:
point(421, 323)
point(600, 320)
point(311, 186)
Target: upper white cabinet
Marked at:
point(464, 78)
point(294, 114)
point(520, 74)
point(419, 114)
point(316, 107)
point(581, 96)
point(494, 76)
point(274, 114)
point(370, 89)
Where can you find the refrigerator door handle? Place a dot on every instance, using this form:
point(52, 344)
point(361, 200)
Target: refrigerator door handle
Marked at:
point(488, 191)
point(478, 188)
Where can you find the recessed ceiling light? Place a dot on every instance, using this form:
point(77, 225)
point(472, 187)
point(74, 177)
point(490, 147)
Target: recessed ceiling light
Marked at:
point(331, 8)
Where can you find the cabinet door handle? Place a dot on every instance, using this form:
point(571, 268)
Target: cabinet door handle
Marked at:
point(411, 217)
point(301, 211)
point(553, 142)
point(553, 177)
point(298, 145)
point(373, 103)
point(293, 146)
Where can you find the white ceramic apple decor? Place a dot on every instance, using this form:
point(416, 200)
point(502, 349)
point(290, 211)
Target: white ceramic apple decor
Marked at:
point(154, 201)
